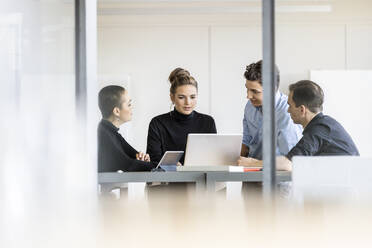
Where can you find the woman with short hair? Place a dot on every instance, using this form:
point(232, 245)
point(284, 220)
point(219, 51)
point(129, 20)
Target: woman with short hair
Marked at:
point(114, 153)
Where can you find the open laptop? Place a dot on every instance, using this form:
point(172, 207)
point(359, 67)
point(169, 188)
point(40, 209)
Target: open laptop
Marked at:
point(169, 161)
point(212, 152)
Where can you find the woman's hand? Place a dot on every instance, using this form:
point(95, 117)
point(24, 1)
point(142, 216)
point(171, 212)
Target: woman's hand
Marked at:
point(143, 157)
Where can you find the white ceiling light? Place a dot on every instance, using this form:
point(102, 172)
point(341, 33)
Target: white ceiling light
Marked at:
point(164, 10)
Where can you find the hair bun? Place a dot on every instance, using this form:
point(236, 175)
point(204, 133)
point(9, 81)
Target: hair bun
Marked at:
point(178, 73)
point(180, 77)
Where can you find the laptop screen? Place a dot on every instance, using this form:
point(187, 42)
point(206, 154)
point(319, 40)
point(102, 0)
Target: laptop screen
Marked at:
point(170, 158)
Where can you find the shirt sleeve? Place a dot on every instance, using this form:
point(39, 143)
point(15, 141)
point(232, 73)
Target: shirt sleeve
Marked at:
point(126, 163)
point(288, 134)
point(138, 165)
point(129, 150)
point(245, 140)
point(308, 145)
point(154, 144)
point(213, 128)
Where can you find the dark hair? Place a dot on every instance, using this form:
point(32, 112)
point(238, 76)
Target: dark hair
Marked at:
point(309, 94)
point(108, 98)
point(253, 72)
point(180, 77)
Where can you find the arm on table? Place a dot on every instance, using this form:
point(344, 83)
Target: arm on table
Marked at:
point(282, 163)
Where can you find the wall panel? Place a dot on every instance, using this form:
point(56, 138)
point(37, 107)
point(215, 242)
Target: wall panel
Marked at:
point(301, 48)
point(232, 48)
point(359, 52)
point(147, 54)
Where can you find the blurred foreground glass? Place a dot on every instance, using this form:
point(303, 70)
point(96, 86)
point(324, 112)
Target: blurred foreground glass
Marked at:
point(44, 174)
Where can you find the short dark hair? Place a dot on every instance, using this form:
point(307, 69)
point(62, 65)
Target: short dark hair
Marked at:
point(179, 77)
point(309, 94)
point(253, 72)
point(108, 98)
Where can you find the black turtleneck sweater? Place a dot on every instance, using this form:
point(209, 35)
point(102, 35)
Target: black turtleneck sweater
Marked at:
point(168, 132)
point(114, 153)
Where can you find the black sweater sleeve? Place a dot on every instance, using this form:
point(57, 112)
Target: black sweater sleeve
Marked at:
point(128, 149)
point(154, 144)
point(213, 126)
point(114, 154)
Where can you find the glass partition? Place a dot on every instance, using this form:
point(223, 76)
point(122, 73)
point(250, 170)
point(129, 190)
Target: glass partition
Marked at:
point(43, 170)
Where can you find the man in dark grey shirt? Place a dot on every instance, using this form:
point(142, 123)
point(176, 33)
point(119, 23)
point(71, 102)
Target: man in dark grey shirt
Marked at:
point(322, 134)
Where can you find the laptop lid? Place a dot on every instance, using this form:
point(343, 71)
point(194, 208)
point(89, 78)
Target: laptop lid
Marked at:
point(212, 149)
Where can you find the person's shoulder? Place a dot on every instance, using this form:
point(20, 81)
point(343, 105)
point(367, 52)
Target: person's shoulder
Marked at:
point(281, 104)
point(160, 120)
point(330, 122)
point(161, 117)
point(101, 129)
point(100, 125)
point(203, 116)
point(281, 107)
point(249, 109)
point(104, 127)
point(105, 133)
point(249, 105)
point(326, 120)
point(322, 125)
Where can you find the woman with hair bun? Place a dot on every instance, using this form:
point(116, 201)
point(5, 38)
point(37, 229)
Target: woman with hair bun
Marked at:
point(168, 132)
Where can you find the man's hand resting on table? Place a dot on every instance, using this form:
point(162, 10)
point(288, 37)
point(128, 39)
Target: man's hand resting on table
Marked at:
point(249, 162)
point(282, 163)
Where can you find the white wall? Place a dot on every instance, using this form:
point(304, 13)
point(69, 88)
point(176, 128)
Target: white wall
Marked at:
point(216, 47)
point(43, 167)
point(148, 54)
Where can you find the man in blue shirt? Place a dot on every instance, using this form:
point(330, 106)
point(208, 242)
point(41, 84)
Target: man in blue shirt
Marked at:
point(287, 133)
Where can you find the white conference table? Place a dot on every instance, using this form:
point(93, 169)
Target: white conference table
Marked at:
point(252, 176)
point(112, 180)
point(203, 179)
